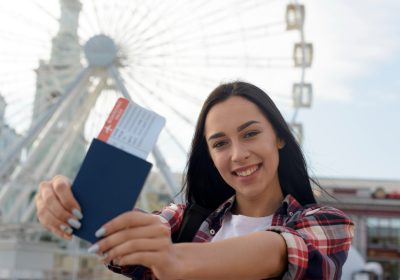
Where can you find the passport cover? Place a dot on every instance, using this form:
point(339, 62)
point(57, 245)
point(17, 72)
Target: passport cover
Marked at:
point(108, 183)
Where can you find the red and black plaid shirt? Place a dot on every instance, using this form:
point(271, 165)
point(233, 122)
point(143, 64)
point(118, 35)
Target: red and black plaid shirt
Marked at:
point(317, 237)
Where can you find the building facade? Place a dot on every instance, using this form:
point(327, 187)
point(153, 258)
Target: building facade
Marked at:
point(374, 206)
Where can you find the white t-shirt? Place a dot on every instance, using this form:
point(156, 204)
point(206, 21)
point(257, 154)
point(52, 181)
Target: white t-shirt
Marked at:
point(239, 225)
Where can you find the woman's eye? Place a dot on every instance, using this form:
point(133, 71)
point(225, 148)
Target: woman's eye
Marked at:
point(218, 144)
point(250, 134)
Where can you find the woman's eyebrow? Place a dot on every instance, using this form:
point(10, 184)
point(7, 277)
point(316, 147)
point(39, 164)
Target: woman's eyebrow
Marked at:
point(246, 124)
point(216, 135)
point(240, 128)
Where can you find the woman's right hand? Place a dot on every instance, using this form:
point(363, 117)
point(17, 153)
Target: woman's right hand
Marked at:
point(57, 208)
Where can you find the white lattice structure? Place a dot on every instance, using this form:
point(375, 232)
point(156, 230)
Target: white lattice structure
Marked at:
point(161, 54)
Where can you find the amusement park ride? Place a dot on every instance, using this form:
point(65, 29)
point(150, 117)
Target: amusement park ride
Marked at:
point(159, 54)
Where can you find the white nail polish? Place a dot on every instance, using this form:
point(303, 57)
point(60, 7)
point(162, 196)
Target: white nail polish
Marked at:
point(77, 213)
point(162, 219)
point(93, 249)
point(100, 232)
point(102, 257)
point(74, 223)
point(66, 229)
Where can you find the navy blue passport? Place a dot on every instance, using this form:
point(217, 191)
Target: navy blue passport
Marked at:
point(108, 183)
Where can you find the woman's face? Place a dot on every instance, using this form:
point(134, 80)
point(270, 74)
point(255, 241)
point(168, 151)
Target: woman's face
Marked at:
point(244, 148)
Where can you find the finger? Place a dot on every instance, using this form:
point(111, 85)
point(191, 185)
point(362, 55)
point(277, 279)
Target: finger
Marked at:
point(50, 201)
point(128, 219)
point(146, 232)
point(138, 245)
point(53, 224)
point(62, 189)
point(51, 214)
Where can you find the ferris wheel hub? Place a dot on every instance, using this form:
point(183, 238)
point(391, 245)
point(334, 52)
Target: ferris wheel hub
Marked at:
point(100, 51)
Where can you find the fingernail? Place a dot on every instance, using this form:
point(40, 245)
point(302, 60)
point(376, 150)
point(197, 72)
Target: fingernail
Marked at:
point(74, 223)
point(162, 219)
point(77, 213)
point(100, 232)
point(103, 256)
point(66, 229)
point(115, 262)
point(93, 249)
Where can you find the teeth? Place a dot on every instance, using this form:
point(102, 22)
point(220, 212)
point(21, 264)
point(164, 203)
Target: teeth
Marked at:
point(247, 172)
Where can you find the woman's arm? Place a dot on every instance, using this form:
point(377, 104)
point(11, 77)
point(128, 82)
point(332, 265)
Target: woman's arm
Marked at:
point(136, 238)
point(317, 243)
point(258, 255)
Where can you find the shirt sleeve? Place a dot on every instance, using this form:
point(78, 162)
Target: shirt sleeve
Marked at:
point(171, 215)
point(317, 243)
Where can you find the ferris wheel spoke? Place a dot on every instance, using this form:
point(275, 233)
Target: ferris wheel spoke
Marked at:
point(28, 22)
point(229, 62)
point(182, 22)
point(22, 114)
point(125, 23)
point(12, 83)
point(161, 100)
point(23, 56)
point(226, 38)
point(184, 75)
point(106, 16)
point(201, 12)
point(18, 39)
point(168, 83)
point(145, 32)
point(222, 14)
point(141, 28)
point(117, 14)
point(88, 23)
point(217, 15)
point(143, 23)
point(216, 42)
point(190, 81)
point(97, 16)
point(45, 11)
point(256, 31)
point(127, 37)
point(251, 32)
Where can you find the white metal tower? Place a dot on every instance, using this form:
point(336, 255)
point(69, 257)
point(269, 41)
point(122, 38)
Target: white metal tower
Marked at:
point(162, 55)
point(165, 55)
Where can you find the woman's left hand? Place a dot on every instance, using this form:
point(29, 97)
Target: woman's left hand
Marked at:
point(137, 238)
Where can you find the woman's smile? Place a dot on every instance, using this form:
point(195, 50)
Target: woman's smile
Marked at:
point(246, 171)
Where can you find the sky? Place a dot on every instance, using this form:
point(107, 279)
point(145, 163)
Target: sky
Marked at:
point(351, 130)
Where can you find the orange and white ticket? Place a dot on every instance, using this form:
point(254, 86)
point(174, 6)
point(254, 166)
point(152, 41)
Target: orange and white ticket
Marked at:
point(132, 128)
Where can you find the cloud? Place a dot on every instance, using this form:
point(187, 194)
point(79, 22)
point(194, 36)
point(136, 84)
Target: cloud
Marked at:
point(350, 38)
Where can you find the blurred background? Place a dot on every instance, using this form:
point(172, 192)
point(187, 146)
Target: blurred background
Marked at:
point(331, 67)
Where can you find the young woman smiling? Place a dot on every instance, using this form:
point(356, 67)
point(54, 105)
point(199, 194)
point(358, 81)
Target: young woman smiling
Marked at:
point(246, 167)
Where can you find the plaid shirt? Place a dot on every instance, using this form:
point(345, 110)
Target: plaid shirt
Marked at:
point(317, 238)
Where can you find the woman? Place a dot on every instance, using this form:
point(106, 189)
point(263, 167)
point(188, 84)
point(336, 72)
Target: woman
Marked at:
point(246, 166)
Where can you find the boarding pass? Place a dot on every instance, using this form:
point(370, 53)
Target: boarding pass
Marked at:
point(132, 128)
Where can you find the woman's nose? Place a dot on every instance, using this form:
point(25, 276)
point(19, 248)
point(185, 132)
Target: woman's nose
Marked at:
point(239, 152)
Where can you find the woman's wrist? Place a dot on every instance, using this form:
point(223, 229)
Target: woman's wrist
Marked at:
point(186, 260)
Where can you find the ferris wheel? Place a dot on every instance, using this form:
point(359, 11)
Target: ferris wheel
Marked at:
point(64, 63)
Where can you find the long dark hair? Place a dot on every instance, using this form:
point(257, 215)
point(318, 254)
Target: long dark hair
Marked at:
point(204, 185)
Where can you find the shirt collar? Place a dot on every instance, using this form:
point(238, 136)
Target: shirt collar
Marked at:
point(289, 205)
